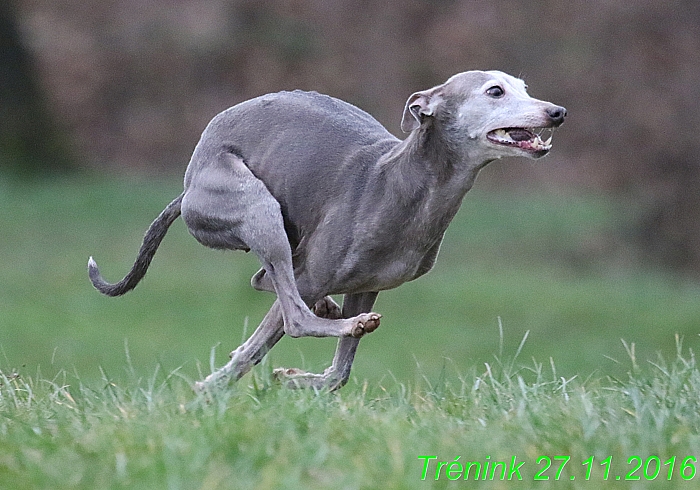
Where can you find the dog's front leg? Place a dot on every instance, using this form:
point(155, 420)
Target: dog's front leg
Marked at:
point(337, 375)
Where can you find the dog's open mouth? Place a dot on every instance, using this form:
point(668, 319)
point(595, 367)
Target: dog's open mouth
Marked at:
point(529, 140)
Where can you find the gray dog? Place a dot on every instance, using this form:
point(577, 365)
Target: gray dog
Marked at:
point(332, 203)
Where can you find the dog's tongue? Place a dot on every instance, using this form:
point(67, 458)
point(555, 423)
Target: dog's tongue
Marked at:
point(519, 134)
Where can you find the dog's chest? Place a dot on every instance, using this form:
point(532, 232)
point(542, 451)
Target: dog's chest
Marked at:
point(378, 253)
point(401, 269)
point(387, 267)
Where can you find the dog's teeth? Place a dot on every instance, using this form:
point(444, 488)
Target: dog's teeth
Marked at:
point(548, 142)
point(503, 135)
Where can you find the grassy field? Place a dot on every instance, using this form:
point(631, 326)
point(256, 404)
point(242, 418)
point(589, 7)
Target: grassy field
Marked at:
point(95, 391)
point(534, 428)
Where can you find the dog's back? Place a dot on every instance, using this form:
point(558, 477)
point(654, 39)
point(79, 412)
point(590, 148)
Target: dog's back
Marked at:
point(293, 129)
point(304, 146)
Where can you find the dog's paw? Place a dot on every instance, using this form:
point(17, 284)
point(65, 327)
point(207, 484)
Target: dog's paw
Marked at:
point(282, 374)
point(203, 390)
point(294, 378)
point(327, 308)
point(364, 324)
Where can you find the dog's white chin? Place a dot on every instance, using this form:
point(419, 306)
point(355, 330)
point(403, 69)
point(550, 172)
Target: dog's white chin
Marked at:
point(501, 151)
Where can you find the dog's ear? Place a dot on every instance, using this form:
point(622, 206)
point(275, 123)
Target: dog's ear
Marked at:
point(419, 105)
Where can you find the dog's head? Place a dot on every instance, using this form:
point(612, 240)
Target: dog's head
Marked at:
point(489, 109)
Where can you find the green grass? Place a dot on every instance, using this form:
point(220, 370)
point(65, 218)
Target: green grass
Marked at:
point(431, 381)
point(520, 258)
point(152, 433)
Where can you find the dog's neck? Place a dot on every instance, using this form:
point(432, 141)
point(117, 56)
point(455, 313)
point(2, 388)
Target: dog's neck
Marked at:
point(426, 161)
point(424, 183)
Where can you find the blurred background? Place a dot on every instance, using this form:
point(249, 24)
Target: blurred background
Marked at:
point(101, 106)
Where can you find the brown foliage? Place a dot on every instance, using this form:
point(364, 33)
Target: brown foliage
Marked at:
point(136, 82)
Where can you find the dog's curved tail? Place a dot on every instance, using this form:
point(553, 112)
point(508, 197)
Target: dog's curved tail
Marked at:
point(155, 234)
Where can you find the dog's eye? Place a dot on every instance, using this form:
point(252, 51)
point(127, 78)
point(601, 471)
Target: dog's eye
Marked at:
point(495, 92)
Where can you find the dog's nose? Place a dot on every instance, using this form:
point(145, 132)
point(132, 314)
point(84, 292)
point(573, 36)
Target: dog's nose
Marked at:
point(556, 114)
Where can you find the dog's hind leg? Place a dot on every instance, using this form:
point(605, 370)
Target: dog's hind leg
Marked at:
point(250, 353)
point(226, 206)
point(337, 375)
